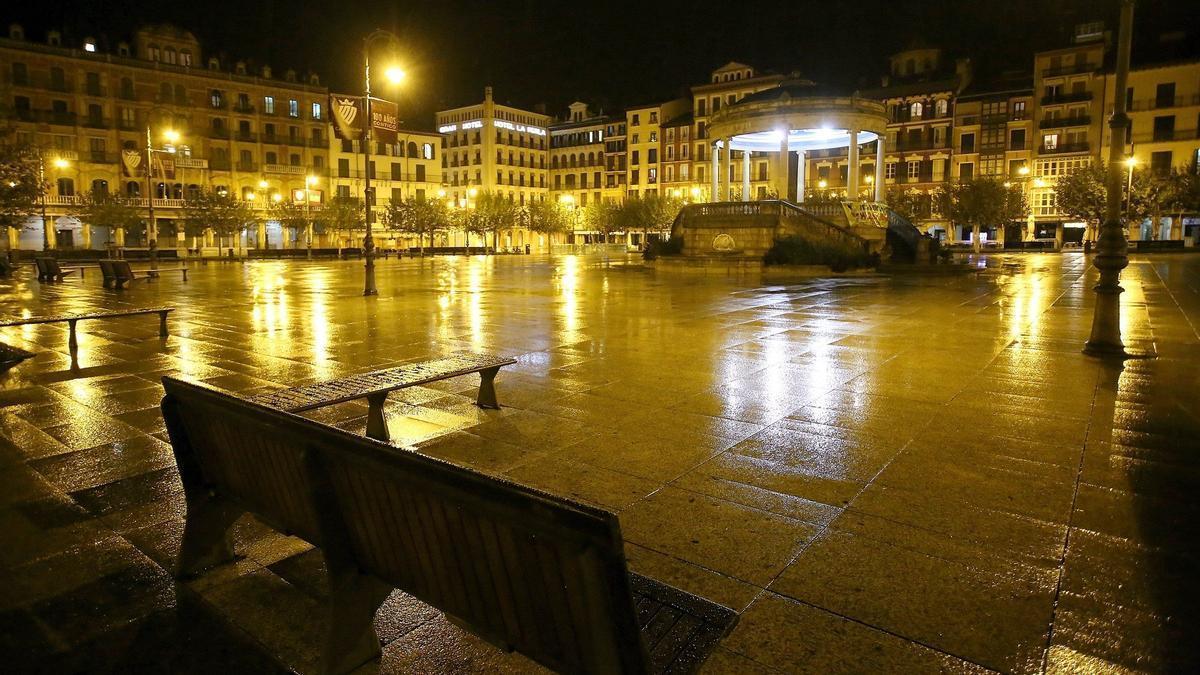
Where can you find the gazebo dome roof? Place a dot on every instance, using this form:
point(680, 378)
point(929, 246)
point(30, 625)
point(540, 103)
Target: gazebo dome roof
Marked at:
point(795, 88)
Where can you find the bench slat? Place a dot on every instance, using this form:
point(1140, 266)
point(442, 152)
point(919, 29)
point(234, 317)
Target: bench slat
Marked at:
point(320, 394)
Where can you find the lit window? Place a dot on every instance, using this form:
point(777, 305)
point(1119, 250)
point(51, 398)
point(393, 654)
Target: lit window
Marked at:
point(1050, 141)
point(89, 46)
point(889, 171)
point(316, 111)
point(915, 110)
point(427, 151)
point(269, 105)
point(914, 170)
point(293, 108)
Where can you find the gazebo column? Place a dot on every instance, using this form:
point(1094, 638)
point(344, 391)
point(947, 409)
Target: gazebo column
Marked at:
point(727, 169)
point(852, 170)
point(879, 186)
point(781, 177)
point(801, 169)
point(716, 173)
point(745, 175)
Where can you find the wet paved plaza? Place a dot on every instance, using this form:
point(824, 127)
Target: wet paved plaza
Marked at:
point(901, 474)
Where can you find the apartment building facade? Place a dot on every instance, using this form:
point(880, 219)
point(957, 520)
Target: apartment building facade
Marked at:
point(221, 125)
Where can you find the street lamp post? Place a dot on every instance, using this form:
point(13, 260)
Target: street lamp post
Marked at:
point(395, 75)
point(1130, 162)
point(152, 226)
point(308, 225)
point(59, 163)
point(1112, 249)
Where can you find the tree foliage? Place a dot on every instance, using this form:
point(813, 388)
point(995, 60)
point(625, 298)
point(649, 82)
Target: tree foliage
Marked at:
point(491, 213)
point(418, 217)
point(547, 217)
point(221, 211)
point(981, 202)
point(1083, 194)
point(21, 184)
point(646, 213)
point(341, 213)
point(107, 210)
point(914, 206)
point(289, 214)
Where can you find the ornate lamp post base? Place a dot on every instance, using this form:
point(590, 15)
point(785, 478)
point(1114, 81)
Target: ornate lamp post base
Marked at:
point(369, 267)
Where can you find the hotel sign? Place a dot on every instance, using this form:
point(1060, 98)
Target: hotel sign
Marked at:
point(499, 124)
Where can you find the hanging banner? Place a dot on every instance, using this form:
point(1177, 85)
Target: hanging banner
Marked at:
point(384, 121)
point(131, 163)
point(347, 116)
point(165, 166)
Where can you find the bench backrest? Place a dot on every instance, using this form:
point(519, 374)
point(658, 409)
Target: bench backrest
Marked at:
point(106, 269)
point(121, 269)
point(521, 568)
point(42, 267)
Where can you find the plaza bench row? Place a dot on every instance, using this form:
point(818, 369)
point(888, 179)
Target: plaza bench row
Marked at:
point(375, 387)
point(118, 273)
point(73, 319)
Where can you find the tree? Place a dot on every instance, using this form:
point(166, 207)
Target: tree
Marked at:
point(289, 214)
point(607, 217)
point(981, 202)
point(107, 210)
point(1182, 193)
point(658, 212)
point(21, 184)
point(547, 217)
point(341, 213)
point(1083, 194)
point(913, 206)
point(492, 212)
point(419, 217)
point(219, 211)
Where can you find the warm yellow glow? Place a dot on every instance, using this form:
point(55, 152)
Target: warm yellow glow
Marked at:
point(1038, 183)
point(822, 184)
point(277, 197)
point(441, 194)
point(1024, 170)
point(1131, 162)
point(262, 184)
point(250, 196)
point(1007, 184)
point(695, 192)
point(567, 199)
point(60, 163)
point(870, 179)
point(298, 195)
point(171, 135)
point(472, 192)
point(394, 74)
point(310, 180)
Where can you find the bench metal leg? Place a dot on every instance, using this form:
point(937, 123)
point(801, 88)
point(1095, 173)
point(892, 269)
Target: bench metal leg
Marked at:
point(73, 343)
point(162, 324)
point(487, 389)
point(376, 422)
point(207, 539)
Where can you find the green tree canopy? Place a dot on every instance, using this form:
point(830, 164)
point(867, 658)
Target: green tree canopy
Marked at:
point(21, 184)
point(289, 213)
point(107, 210)
point(547, 217)
point(221, 211)
point(492, 212)
point(419, 217)
point(981, 202)
point(1083, 194)
point(341, 213)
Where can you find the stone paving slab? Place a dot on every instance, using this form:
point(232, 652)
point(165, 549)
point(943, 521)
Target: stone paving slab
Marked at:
point(881, 474)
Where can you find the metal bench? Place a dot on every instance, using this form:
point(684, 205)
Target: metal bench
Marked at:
point(118, 273)
point(49, 269)
point(525, 570)
point(73, 319)
point(376, 385)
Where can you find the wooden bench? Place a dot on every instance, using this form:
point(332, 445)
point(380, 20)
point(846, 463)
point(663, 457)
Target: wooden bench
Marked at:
point(375, 386)
point(118, 273)
point(523, 569)
point(6, 267)
point(49, 269)
point(73, 319)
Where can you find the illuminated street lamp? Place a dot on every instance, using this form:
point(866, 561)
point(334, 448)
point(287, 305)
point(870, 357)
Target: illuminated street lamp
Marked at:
point(394, 75)
point(57, 163)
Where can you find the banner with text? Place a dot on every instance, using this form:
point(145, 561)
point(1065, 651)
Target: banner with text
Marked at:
point(347, 116)
point(385, 122)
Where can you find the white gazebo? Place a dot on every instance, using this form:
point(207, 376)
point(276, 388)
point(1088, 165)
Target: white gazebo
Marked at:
point(797, 117)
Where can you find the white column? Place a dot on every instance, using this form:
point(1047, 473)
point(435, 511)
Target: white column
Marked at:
point(852, 170)
point(714, 196)
point(781, 178)
point(745, 175)
point(801, 169)
point(725, 170)
point(880, 194)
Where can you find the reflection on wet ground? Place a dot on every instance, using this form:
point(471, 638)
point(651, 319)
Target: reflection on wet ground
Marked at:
point(880, 474)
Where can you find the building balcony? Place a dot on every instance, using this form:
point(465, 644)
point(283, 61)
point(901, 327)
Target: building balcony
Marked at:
point(1165, 103)
point(100, 157)
point(95, 91)
point(910, 146)
point(219, 164)
point(218, 132)
point(244, 109)
point(46, 117)
point(247, 166)
point(1167, 136)
point(1063, 148)
point(191, 163)
point(1060, 122)
point(1070, 70)
point(246, 136)
point(1074, 97)
point(287, 169)
point(95, 123)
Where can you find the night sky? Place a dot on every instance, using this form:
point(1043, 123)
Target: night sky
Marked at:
point(608, 53)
